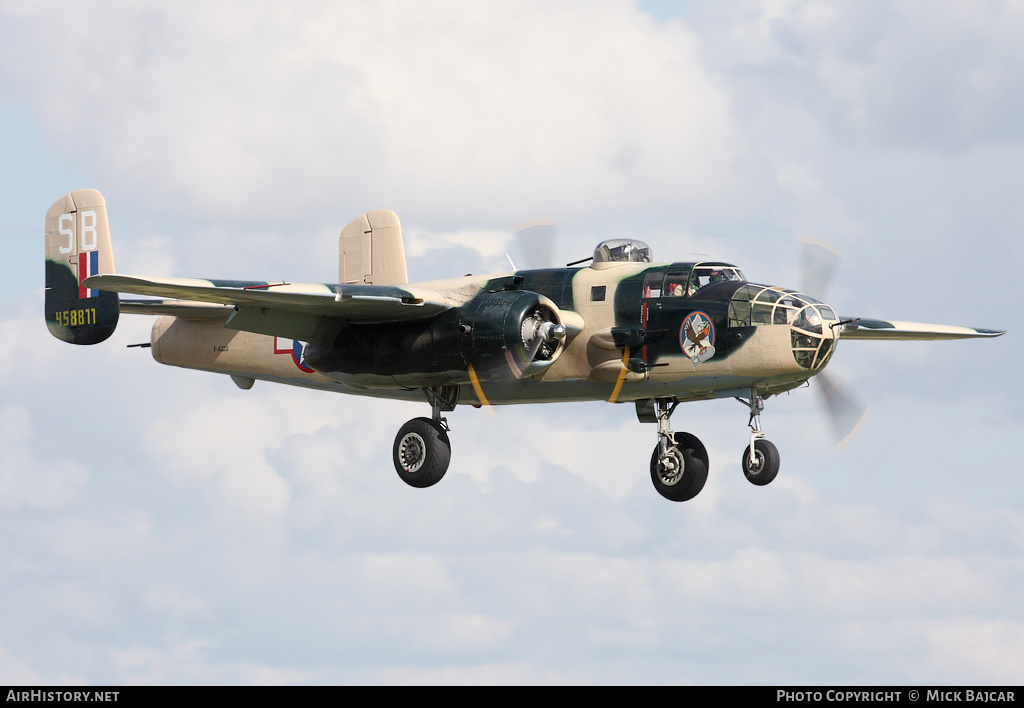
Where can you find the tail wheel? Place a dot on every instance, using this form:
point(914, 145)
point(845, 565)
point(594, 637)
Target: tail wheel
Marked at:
point(682, 474)
point(766, 462)
point(421, 452)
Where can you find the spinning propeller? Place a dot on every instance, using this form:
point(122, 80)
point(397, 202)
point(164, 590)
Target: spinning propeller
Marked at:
point(818, 261)
point(541, 333)
point(536, 242)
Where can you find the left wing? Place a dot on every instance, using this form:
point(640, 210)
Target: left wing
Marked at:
point(176, 308)
point(909, 331)
point(303, 311)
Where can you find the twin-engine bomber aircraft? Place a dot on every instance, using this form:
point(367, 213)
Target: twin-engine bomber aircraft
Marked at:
point(621, 329)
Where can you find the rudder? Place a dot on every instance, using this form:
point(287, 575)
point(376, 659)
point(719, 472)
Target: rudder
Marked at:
point(78, 246)
point(370, 250)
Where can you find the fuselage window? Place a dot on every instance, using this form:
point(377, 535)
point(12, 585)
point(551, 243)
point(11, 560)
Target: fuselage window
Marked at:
point(597, 293)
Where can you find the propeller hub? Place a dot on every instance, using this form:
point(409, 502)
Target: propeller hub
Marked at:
point(552, 331)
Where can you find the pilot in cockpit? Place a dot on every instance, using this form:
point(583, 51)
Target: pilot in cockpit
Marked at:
point(675, 288)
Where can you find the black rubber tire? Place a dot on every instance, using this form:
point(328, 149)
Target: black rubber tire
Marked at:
point(694, 460)
point(768, 459)
point(421, 452)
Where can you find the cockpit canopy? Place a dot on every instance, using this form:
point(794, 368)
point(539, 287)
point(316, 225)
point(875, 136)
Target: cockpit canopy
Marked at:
point(622, 251)
point(685, 279)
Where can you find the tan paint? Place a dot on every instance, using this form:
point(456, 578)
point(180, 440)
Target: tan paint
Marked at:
point(370, 250)
point(594, 360)
point(78, 223)
point(208, 346)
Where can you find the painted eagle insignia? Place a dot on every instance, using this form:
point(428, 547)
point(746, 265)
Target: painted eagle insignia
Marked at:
point(697, 337)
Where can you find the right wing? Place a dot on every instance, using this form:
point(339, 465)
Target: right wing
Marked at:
point(908, 331)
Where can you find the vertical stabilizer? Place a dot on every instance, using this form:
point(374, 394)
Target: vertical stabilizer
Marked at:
point(78, 246)
point(371, 251)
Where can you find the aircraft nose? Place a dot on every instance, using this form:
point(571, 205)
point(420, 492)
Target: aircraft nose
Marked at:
point(812, 337)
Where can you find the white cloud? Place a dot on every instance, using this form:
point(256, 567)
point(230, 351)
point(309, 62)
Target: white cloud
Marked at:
point(488, 674)
point(990, 650)
point(939, 76)
point(15, 672)
point(26, 481)
point(454, 107)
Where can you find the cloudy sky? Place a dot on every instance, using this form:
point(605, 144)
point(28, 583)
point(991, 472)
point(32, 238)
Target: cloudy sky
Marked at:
point(162, 526)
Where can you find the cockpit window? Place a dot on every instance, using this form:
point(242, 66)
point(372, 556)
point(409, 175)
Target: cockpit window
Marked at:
point(711, 274)
point(684, 279)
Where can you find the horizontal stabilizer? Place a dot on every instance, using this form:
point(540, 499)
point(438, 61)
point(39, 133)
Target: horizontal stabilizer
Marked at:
point(909, 331)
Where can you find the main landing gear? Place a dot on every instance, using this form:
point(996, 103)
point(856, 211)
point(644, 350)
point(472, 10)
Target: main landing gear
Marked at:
point(679, 464)
point(422, 451)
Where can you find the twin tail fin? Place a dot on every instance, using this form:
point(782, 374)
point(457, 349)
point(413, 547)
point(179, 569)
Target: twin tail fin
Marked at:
point(78, 246)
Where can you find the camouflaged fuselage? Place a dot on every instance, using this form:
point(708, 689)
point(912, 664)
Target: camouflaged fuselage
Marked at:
point(607, 309)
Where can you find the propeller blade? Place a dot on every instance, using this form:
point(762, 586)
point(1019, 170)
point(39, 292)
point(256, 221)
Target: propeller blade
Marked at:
point(536, 242)
point(479, 390)
point(818, 263)
point(845, 411)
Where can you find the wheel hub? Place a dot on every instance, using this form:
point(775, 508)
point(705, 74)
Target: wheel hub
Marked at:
point(755, 468)
point(670, 469)
point(412, 452)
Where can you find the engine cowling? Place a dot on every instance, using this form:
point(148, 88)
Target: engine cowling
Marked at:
point(514, 330)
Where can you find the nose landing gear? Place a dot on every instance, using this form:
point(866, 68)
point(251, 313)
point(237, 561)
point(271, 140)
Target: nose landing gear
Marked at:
point(761, 458)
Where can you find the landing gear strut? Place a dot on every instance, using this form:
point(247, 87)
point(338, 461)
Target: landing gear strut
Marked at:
point(422, 451)
point(679, 464)
point(761, 458)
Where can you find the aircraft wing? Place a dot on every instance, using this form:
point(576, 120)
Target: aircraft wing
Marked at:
point(303, 311)
point(907, 331)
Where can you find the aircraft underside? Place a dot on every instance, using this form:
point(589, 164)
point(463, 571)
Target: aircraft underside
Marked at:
point(422, 450)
